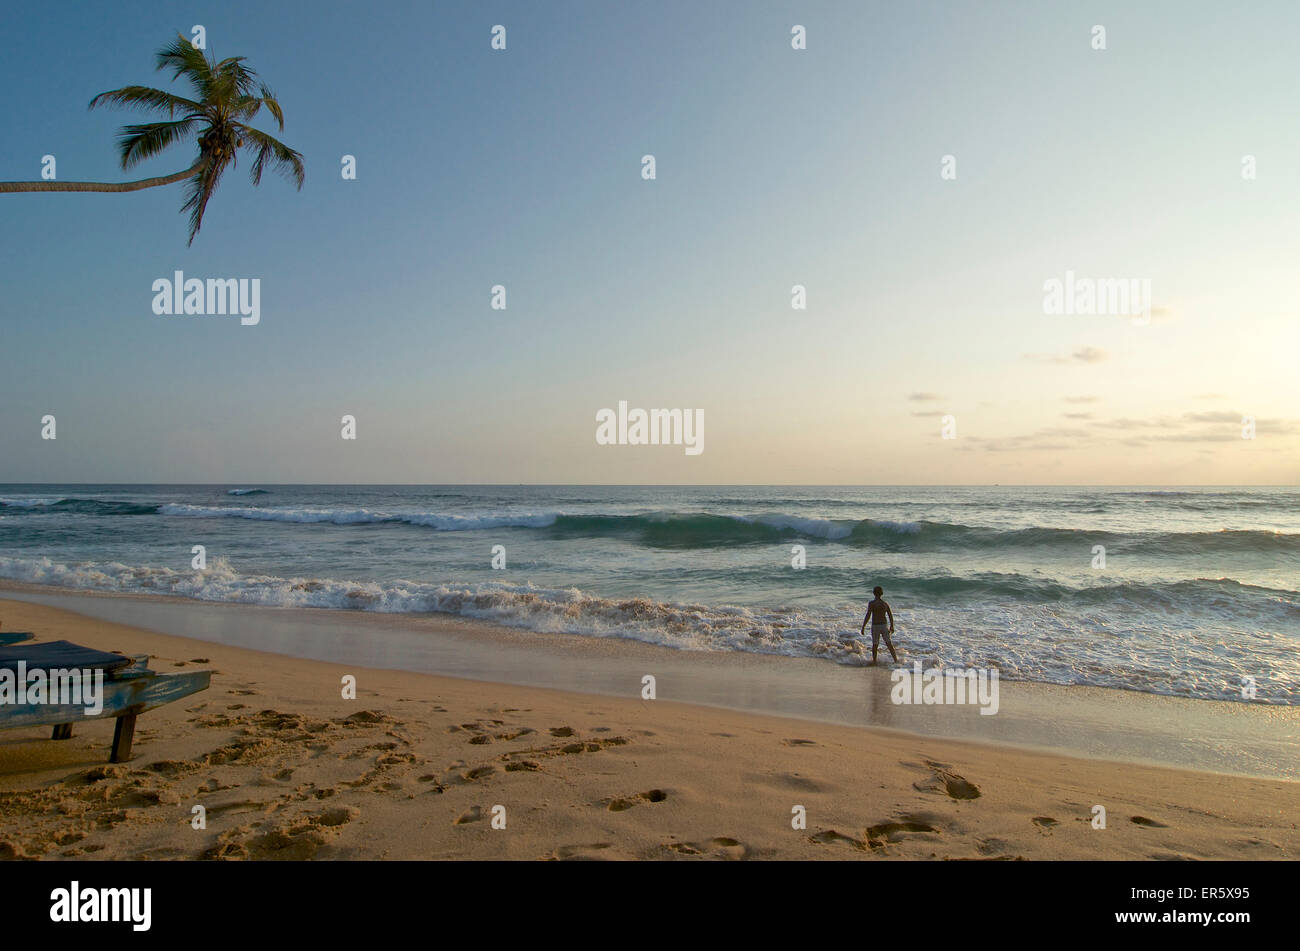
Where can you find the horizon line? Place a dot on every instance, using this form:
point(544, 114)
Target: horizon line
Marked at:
point(700, 485)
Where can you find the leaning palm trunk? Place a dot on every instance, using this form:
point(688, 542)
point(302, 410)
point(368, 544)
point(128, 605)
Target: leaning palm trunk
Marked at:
point(101, 186)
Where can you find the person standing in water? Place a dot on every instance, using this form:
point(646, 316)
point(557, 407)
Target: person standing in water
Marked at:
point(882, 624)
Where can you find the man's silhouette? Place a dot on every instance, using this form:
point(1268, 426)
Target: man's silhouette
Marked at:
point(877, 613)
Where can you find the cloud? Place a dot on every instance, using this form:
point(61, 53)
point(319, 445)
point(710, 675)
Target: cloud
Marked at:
point(929, 412)
point(1082, 355)
point(1042, 440)
point(1219, 426)
point(1139, 433)
point(1125, 422)
point(1196, 437)
point(924, 397)
point(1014, 444)
point(1083, 399)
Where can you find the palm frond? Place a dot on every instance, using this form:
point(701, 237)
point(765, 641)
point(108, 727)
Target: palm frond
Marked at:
point(232, 81)
point(145, 97)
point(183, 59)
point(246, 107)
point(284, 159)
point(139, 142)
point(272, 105)
point(198, 190)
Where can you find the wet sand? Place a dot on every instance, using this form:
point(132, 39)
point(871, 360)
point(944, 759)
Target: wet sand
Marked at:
point(1126, 726)
point(436, 766)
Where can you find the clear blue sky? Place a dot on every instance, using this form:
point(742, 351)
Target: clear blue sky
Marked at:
point(775, 167)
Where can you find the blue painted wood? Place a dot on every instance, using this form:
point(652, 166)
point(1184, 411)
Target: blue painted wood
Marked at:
point(143, 691)
point(128, 688)
point(60, 654)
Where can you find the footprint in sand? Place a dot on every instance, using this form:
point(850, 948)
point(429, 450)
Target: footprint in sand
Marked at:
point(436, 788)
point(580, 852)
point(242, 805)
point(569, 749)
point(831, 837)
point(720, 846)
point(1144, 821)
point(474, 814)
point(561, 731)
point(1044, 822)
point(516, 734)
point(590, 747)
point(992, 848)
point(888, 833)
point(956, 787)
point(294, 839)
point(798, 742)
point(623, 803)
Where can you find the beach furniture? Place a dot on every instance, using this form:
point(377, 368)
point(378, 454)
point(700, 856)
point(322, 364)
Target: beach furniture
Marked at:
point(130, 688)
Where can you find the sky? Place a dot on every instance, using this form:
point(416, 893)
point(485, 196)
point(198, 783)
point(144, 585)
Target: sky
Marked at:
point(774, 167)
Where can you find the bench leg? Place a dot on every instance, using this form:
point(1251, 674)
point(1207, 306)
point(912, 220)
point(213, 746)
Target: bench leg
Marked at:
point(123, 734)
point(62, 731)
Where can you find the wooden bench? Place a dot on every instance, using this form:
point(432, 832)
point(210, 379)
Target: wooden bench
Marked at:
point(130, 688)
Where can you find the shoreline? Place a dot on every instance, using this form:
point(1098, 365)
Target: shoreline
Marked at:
point(1077, 721)
point(419, 765)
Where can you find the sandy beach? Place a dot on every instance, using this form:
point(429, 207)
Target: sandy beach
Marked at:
point(418, 766)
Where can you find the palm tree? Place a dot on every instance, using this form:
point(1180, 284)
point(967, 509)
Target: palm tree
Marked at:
point(226, 95)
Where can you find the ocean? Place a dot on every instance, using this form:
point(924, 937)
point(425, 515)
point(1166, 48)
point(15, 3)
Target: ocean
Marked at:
point(1194, 595)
